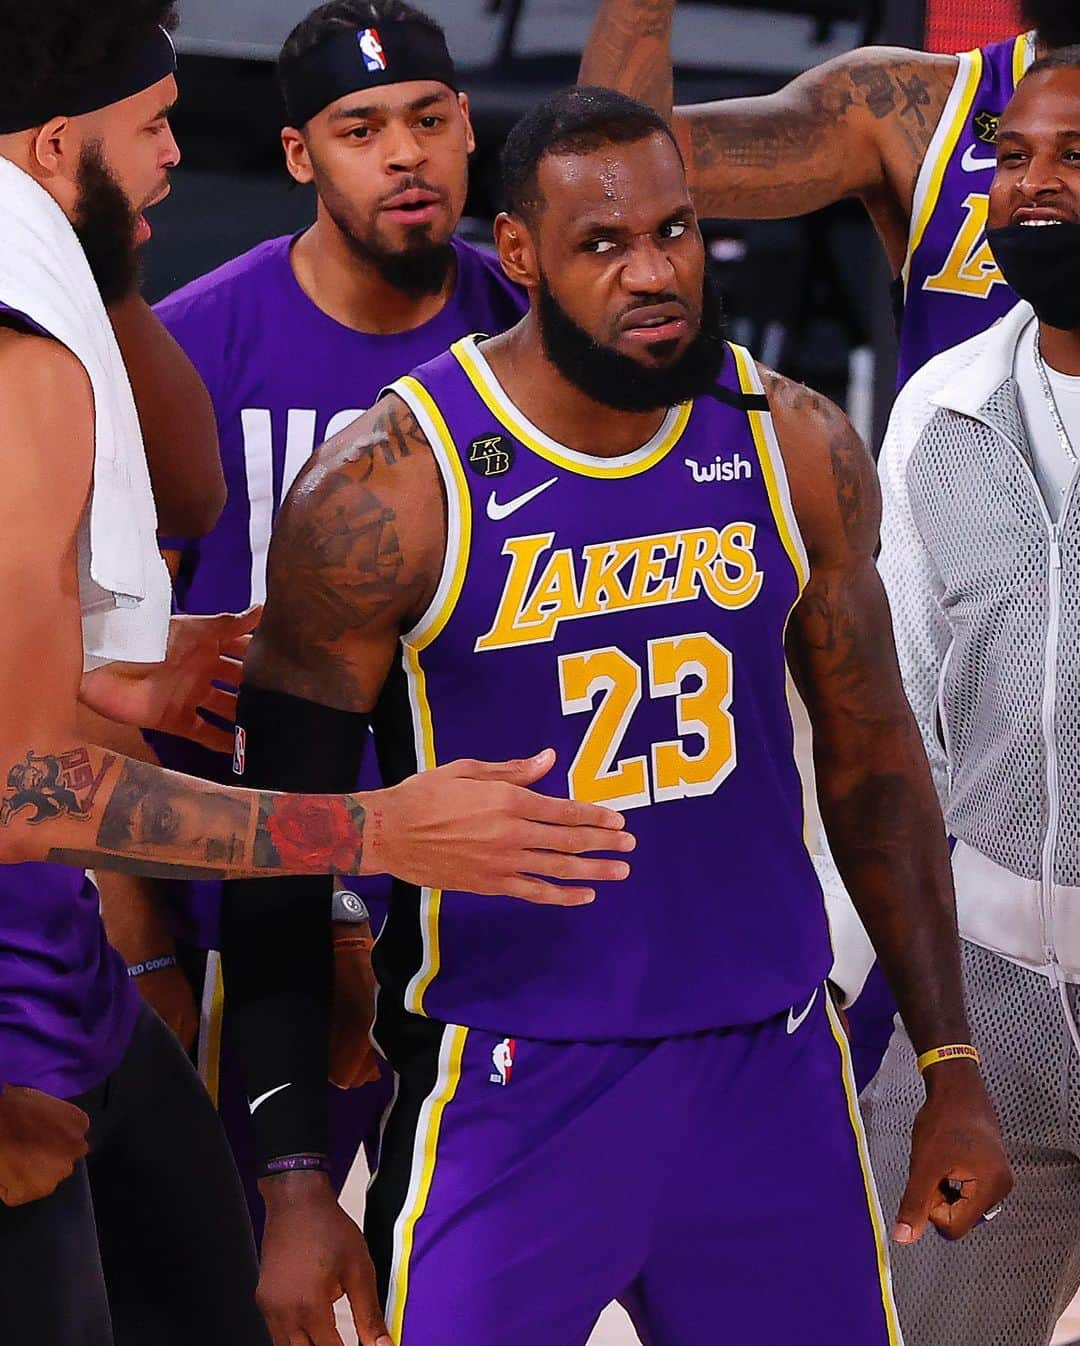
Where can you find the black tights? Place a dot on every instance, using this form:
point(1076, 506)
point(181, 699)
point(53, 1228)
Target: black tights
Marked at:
point(148, 1243)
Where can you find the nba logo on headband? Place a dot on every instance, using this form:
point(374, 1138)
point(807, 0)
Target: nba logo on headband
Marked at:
point(372, 50)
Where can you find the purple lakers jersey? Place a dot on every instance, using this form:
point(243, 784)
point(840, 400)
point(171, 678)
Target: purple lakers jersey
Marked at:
point(629, 612)
point(284, 377)
point(952, 287)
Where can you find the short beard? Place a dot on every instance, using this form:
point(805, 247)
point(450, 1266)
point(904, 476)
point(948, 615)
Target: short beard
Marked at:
point(415, 273)
point(1056, 21)
point(619, 381)
point(421, 269)
point(104, 224)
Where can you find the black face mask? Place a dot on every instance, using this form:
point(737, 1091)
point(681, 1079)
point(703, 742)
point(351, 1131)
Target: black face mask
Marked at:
point(1042, 264)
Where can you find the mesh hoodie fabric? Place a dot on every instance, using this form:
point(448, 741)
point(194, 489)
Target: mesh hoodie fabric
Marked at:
point(985, 597)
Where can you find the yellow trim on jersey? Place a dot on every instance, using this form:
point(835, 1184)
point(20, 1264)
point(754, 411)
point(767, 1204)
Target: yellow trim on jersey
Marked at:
point(450, 460)
point(1023, 56)
point(924, 209)
point(507, 416)
point(458, 542)
point(892, 1320)
point(760, 428)
point(427, 1143)
point(212, 1014)
point(430, 898)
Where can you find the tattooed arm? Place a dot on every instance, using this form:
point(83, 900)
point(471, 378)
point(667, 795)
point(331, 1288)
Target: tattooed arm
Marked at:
point(629, 49)
point(355, 560)
point(70, 801)
point(858, 125)
point(877, 801)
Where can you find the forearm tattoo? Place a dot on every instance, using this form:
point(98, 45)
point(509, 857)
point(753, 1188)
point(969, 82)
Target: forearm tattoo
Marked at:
point(163, 825)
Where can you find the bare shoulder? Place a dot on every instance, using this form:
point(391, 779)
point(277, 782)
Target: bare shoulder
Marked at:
point(833, 481)
point(35, 370)
point(356, 556)
point(47, 420)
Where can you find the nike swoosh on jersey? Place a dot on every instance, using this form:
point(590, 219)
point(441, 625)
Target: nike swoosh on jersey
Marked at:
point(258, 1102)
point(496, 511)
point(971, 163)
point(795, 1023)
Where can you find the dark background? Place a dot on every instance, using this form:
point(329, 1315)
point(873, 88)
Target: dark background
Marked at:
point(808, 296)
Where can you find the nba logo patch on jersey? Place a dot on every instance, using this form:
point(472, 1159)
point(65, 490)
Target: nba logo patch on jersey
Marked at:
point(371, 48)
point(239, 758)
point(502, 1058)
point(491, 456)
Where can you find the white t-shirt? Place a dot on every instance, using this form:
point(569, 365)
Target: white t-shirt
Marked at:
point(1054, 469)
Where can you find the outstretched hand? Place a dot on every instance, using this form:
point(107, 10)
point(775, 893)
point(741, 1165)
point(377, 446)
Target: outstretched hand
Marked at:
point(202, 653)
point(479, 828)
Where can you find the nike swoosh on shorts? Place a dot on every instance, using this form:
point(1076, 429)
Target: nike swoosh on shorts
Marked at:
point(795, 1023)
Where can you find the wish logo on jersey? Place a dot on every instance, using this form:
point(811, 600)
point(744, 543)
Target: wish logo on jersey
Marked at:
point(371, 48)
point(737, 468)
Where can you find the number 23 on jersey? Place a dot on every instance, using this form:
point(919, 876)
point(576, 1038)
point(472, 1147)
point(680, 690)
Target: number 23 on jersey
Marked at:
point(670, 771)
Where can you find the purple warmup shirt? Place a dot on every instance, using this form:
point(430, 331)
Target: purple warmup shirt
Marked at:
point(630, 613)
point(953, 288)
point(285, 377)
point(67, 1005)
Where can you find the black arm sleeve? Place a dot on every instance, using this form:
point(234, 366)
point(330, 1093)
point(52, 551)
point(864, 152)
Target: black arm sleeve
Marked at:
point(276, 941)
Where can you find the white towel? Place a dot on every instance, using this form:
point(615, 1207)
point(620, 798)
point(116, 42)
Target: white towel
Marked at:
point(124, 586)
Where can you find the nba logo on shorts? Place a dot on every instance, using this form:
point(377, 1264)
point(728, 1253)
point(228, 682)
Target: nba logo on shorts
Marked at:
point(502, 1058)
point(371, 48)
point(239, 757)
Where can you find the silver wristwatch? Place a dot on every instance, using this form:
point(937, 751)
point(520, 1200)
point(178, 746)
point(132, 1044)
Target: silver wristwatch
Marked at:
point(347, 907)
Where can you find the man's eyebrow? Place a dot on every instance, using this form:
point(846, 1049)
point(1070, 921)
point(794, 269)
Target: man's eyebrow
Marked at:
point(605, 224)
point(165, 111)
point(360, 111)
point(1018, 137)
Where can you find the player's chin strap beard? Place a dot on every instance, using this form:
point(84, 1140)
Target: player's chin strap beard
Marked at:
point(414, 272)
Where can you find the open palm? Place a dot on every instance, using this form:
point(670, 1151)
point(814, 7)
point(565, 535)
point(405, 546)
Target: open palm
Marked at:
point(202, 652)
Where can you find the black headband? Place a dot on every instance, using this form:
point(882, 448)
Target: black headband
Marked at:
point(109, 83)
point(351, 60)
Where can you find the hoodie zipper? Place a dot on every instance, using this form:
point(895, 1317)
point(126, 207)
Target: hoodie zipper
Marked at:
point(1049, 699)
point(1053, 630)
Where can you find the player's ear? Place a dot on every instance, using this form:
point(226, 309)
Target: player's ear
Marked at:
point(517, 249)
point(470, 136)
point(297, 158)
point(55, 148)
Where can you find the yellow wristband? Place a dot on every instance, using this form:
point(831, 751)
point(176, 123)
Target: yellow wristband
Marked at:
point(955, 1051)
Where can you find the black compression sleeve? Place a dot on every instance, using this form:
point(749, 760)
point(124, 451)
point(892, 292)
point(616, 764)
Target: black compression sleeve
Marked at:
point(276, 944)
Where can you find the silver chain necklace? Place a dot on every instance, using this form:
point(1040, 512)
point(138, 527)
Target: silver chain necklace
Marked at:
point(1051, 404)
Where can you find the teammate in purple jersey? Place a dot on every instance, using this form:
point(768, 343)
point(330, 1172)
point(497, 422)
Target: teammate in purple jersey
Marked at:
point(604, 530)
point(294, 340)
